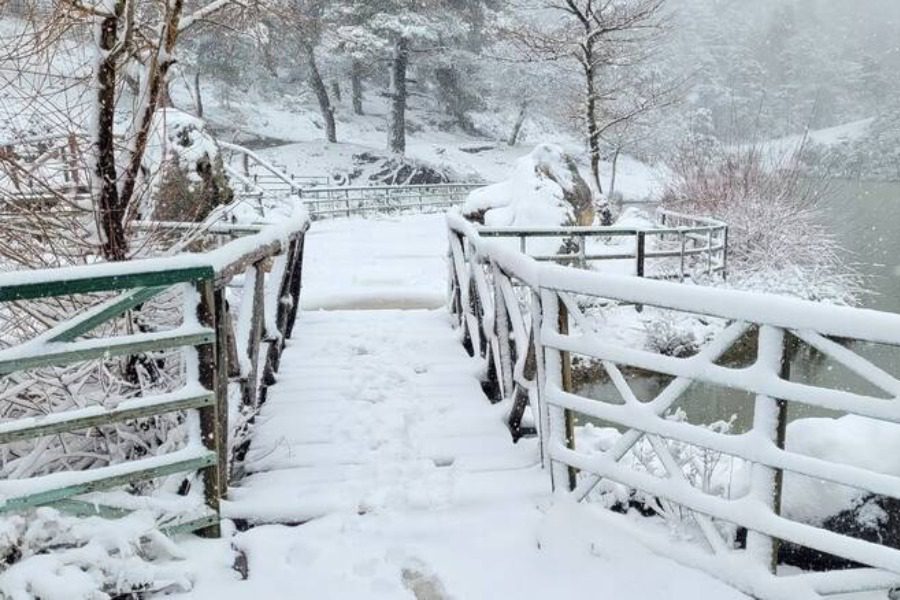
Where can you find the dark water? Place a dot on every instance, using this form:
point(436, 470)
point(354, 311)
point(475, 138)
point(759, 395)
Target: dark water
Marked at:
point(866, 217)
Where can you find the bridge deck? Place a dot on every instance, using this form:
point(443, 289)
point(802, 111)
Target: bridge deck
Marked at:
point(379, 438)
point(379, 409)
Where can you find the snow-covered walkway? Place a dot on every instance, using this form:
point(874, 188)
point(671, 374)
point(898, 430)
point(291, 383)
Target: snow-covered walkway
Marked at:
point(379, 440)
point(379, 409)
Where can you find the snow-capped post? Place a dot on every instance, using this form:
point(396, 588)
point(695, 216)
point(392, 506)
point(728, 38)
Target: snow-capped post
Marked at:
point(640, 255)
point(567, 386)
point(769, 424)
point(250, 324)
point(725, 254)
point(221, 386)
point(296, 286)
point(538, 406)
point(209, 418)
point(502, 333)
point(558, 374)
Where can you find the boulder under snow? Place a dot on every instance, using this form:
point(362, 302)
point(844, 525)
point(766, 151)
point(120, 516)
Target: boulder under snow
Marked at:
point(543, 190)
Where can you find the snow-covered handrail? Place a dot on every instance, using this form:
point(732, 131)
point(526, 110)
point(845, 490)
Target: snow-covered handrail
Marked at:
point(695, 246)
point(260, 162)
point(527, 337)
point(221, 346)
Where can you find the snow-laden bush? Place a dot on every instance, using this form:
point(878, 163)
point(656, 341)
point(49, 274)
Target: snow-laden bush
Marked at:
point(778, 237)
point(543, 190)
point(671, 337)
point(48, 556)
point(187, 175)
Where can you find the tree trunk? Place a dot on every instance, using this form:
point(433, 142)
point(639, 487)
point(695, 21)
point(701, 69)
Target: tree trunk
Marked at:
point(356, 87)
point(336, 91)
point(397, 128)
point(591, 116)
point(612, 177)
point(517, 127)
point(199, 96)
point(165, 96)
point(318, 86)
point(110, 213)
point(156, 82)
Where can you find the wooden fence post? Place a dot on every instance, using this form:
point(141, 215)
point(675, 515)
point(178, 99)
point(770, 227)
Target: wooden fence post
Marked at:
point(250, 383)
point(502, 335)
point(209, 419)
point(558, 373)
point(567, 386)
point(640, 255)
point(725, 254)
point(221, 386)
point(296, 286)
point(769, 421)
point(641, 250)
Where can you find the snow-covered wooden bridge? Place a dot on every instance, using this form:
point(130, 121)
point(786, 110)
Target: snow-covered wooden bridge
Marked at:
point(428, 448)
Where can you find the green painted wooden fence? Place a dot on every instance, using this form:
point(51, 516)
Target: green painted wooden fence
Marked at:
point(269, 257)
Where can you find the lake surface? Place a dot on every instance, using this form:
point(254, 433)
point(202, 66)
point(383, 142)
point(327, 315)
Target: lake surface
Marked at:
point(866, 217)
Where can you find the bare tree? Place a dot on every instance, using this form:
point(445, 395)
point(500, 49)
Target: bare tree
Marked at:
point(600, 38)
point(129, 32)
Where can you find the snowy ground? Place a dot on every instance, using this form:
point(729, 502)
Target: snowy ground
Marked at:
point(512, 549)
point(394, 262)
point(468, 158)
point(378, 432)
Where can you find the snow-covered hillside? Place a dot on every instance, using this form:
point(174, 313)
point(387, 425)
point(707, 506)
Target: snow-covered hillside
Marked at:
point(289, 131)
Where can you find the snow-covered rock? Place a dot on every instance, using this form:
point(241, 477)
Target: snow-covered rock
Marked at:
point(543, 190)
point(852, 440)
point(183, 162)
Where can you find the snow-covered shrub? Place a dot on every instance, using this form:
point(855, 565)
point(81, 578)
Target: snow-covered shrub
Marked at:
point(777, 230)
point(544, 189)
point(187, 174)
point(709, 471)
point(48, 556)
point(671, 337)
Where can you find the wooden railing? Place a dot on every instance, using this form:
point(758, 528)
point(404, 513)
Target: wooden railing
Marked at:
point(677, 247)
point(44, 167)
point(327, 202)
point(256, 174)
point(220, 342)
point(527, 320)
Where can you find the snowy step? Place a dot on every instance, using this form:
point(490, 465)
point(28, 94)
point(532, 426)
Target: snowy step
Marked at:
point(297, 495)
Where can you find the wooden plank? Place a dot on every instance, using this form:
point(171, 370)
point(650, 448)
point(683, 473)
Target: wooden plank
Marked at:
point(172, 527)
point(69, 330)
point(201, 523)
point(33, 427)
point(82, 508)
point(105, 348)
point(105, 478)
point(123, 281)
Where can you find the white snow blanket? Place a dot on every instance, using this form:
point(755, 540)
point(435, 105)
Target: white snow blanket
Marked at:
point(532, 196)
